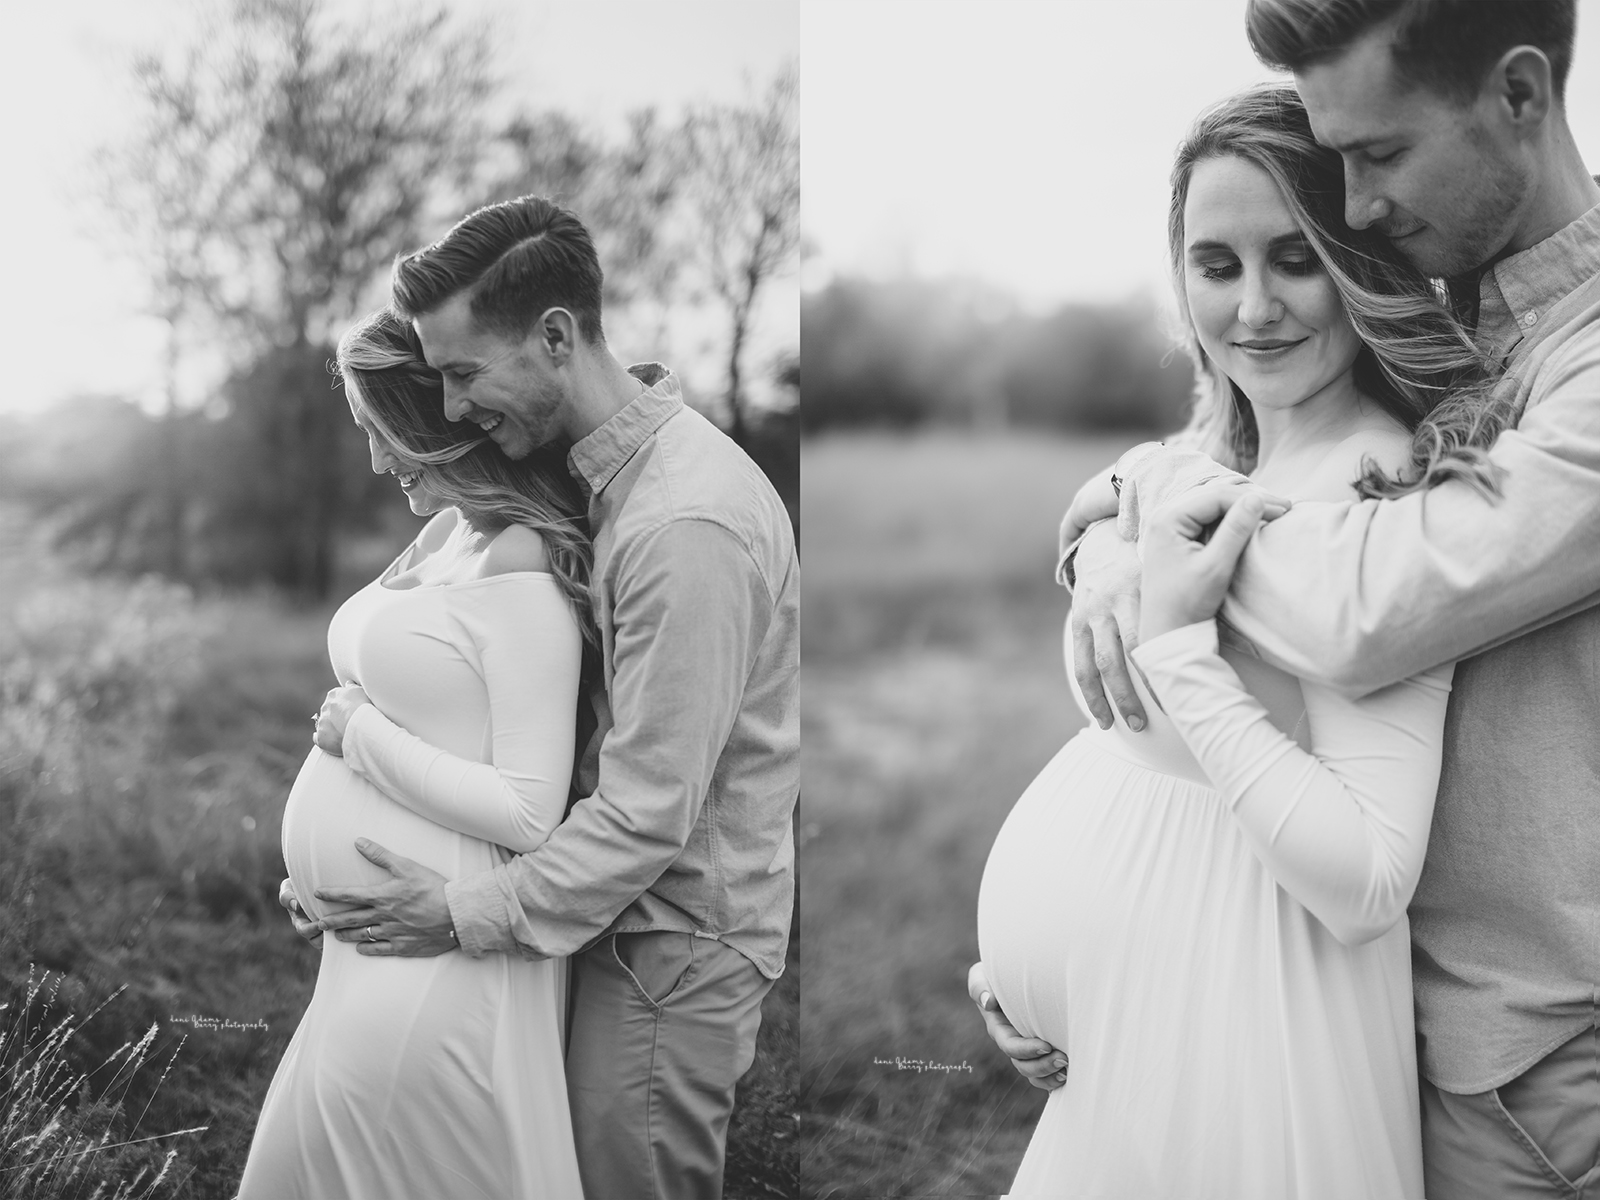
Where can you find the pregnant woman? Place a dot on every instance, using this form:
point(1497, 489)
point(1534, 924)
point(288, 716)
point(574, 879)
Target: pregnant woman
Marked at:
point(435, 1077)
point(1209, 916)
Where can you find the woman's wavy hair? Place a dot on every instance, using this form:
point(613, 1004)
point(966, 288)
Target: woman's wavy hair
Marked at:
point(1417, 360)
point(380, 360)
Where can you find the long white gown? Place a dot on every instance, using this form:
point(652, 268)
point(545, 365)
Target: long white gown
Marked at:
point(431, 1077)
point(1227, 967)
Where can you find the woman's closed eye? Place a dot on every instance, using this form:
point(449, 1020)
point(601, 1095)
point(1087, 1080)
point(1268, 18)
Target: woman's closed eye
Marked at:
point(1220, 269)
point(1299, 264)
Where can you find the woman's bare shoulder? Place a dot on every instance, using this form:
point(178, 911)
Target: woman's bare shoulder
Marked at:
point(515, 548)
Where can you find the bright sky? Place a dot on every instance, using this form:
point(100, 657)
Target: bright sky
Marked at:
point(70, 311)
point(1027, 144)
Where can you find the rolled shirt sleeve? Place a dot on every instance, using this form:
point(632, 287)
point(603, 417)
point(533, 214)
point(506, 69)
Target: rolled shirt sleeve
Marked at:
point(689, 616)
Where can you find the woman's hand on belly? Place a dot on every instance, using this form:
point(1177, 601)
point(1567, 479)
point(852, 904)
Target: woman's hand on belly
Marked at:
point(337, 708)
point(1035, 1059)
point(303, 925)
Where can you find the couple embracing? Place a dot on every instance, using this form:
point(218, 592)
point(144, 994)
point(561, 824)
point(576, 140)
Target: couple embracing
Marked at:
point(1312, 909)
point(547, 818)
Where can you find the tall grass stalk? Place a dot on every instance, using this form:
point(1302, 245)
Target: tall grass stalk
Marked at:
point(57, 1137)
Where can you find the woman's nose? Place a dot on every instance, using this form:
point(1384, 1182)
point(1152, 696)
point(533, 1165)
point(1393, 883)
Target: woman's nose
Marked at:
point(1258, 306)
point(382, 460)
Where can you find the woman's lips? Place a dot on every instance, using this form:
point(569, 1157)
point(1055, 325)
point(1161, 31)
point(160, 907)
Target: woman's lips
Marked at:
point(1270, 348)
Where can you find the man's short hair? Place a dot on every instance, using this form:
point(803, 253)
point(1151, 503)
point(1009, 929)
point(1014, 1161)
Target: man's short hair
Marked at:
point(519, 258)
point(1443, 45)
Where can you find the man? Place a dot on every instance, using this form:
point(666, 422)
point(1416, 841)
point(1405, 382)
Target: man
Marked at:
point(672, 879)
point(1449, 117)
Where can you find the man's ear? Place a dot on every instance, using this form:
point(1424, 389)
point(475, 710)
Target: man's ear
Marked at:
point(557, 331)
point(1522, 84)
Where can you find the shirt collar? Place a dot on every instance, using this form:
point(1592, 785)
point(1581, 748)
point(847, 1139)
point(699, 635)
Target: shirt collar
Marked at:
point(596, 459)
point(1518, 291)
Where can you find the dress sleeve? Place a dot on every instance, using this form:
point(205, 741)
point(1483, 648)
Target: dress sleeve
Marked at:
point(689, 621)
point(529, 649)
point(1343, 828)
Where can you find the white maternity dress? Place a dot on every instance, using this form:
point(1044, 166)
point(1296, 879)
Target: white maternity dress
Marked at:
point(431, 1077)
point(1208, 917)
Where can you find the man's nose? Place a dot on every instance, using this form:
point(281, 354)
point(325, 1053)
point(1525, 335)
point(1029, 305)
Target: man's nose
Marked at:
point(1258, 305)
point(456, 403)
point(1362, 208)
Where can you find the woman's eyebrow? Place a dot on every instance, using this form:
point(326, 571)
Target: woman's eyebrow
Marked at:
point(1283, 239)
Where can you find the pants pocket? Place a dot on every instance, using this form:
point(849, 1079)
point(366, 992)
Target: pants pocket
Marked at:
point(659, 963)
point(1522, 1138)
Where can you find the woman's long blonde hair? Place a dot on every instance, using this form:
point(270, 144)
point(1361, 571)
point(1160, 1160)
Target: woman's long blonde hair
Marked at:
point(1417, 361)
point(402, 397)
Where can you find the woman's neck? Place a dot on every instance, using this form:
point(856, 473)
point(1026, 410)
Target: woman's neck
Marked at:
point(1294, 438)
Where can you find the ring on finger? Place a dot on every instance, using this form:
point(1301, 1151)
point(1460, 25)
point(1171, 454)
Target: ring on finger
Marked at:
point(368, 932)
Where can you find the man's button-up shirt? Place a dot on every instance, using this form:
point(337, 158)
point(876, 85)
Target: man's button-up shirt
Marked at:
point(690, 780)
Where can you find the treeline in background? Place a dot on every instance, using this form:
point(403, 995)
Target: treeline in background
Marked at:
point(912, 352)
point(168, 567)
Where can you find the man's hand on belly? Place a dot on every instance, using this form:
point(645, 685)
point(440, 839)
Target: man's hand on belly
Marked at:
point(408, 915)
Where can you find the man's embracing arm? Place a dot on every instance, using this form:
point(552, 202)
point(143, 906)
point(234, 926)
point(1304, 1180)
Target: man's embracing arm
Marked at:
point(690, 616)
point(1362, 595)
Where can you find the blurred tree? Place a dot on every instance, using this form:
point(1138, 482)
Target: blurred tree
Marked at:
point(742, 184)
point(624, 193)
point(278, 168)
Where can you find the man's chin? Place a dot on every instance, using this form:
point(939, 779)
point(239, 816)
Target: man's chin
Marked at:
point(1429, 253)
point(517, 445)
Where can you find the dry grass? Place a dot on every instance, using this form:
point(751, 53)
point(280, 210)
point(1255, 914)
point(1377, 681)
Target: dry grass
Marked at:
point(933, 693)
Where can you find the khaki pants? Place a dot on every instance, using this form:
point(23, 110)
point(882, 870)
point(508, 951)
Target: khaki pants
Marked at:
point(1535, 1137)
point(663, 1025)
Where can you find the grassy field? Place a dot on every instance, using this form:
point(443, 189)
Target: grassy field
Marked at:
point(934, 691)
point(147, 742)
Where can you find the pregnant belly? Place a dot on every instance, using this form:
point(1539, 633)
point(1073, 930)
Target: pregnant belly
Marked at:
point(330, 806)
point(1104, 882)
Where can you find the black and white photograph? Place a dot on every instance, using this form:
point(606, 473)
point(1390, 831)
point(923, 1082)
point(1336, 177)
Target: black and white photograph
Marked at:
point(412, 786)
point(1202, 532)
point(400, 600)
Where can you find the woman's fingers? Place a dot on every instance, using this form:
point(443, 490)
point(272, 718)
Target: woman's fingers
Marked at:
point(1034, 1058)
point(1233, 533)
point(1088, 674)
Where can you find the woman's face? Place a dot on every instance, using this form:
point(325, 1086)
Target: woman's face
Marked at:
point(1264, 308)
point(389, 458)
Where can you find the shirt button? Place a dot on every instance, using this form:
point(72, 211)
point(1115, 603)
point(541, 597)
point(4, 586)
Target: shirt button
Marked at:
point(1529, 317)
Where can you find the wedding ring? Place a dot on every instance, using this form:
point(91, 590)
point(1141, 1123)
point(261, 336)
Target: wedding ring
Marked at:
point(368, 932)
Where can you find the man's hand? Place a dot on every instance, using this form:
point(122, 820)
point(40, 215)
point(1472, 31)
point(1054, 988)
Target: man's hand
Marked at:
point(303, 925)
point(1104, 624)
point(337, 709)
point(1185, 575)
point(407, 916)
point(1037, 1061)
